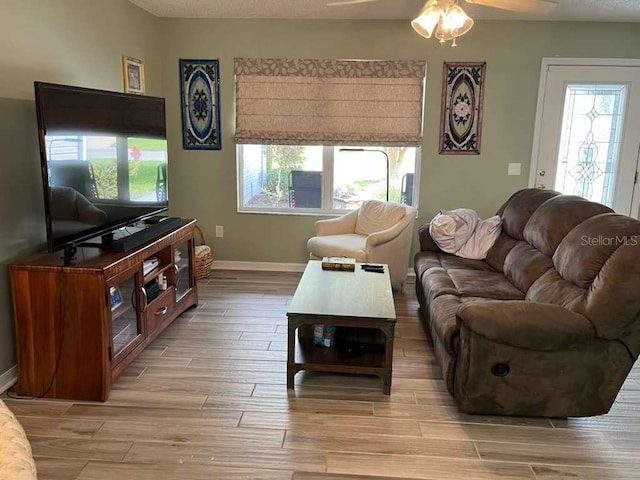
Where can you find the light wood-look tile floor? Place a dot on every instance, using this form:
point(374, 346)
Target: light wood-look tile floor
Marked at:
point(208, 400)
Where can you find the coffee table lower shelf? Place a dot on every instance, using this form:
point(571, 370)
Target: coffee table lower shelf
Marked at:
point(303, 354)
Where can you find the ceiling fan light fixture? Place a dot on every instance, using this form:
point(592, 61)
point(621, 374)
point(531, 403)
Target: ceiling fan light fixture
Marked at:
point(427, 20)
point(453, 23)
point(446, 17)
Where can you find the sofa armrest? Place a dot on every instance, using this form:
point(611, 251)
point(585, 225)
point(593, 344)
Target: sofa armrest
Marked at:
point(337, 226)
point(528, 325)
point(426, 242)
point(383, 236)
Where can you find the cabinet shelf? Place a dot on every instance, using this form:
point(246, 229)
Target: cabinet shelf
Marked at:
point(307, 353)
point(160, 269)
point(120, 310)
point(125, 331)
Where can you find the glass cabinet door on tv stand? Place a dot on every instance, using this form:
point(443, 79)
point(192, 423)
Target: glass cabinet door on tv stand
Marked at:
point(182, 265)
point(126, 325)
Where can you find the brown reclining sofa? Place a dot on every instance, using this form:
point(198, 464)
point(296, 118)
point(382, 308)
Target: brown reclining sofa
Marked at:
point(549, 323)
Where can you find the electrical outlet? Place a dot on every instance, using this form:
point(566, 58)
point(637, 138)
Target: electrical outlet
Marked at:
point(219, 231)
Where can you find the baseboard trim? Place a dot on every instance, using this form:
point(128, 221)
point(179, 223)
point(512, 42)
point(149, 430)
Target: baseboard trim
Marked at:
point(8, 379)
point(276, 267)
point(258, 266)
point(411, 276)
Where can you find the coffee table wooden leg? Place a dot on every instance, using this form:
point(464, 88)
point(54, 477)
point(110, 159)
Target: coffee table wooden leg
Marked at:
point(389, 332)
point(386, 388)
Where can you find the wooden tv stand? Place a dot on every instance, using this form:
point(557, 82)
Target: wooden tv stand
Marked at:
point(78, 326)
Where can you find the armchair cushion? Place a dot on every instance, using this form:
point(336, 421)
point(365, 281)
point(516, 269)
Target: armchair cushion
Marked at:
point(389, 234)
point(345, 245)
point(336, 226)
point(375, 216)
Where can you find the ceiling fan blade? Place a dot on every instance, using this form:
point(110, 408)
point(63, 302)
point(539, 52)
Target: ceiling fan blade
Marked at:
point(525, 6)
point(348, 2)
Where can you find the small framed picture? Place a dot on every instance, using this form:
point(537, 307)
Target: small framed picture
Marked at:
point(133, 71)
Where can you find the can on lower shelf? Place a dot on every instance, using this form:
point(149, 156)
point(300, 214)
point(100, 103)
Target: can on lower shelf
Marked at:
point(324, 335)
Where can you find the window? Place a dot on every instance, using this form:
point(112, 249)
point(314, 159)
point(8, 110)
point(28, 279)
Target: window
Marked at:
point(106, 167)
point(303, 179)
point(324, 135)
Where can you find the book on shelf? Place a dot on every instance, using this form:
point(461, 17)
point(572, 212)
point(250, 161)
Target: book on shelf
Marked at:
point(149, 264)
point(339, 263)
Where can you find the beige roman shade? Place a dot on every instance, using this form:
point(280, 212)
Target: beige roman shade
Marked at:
point(329, 102)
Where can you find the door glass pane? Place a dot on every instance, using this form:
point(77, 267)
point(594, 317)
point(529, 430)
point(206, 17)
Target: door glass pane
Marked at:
point(590, 140)
point(183, 275)
point(124, 319)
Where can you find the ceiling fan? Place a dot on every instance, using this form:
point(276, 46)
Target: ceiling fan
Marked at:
point(447, 19)
point(525, 6)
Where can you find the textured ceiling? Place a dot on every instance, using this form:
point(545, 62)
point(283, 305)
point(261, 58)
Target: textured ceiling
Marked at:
point(579, 10)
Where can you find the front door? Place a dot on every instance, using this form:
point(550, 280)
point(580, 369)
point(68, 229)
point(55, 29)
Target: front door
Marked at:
point(588, 134)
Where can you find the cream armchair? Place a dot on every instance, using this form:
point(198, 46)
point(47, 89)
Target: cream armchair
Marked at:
point(377, 232)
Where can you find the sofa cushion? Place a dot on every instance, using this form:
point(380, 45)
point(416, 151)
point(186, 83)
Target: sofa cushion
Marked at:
point(552, 288)
point(519, 209)
point(524, 265)
point(450, 262)
point(600, 257)
point(477, 283)
point(435, 282)
point(375, 216)
point(555, 218)
point(423, 261)
point(499, 251)
point(346, 245)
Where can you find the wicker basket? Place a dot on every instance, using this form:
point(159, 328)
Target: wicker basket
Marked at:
point(204, 258)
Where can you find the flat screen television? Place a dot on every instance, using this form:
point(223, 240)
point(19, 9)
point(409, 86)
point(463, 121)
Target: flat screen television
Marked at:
point(104, 161)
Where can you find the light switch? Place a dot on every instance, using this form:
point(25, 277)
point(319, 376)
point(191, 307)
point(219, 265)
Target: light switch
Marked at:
point(514, 169)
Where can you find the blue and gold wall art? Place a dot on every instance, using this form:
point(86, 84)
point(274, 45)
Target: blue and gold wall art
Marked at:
point(200, 101)
point(462, 102)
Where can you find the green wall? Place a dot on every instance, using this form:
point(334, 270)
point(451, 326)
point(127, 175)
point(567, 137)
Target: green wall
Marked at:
point(74, 42)
point(203, 184)
point(80, 42)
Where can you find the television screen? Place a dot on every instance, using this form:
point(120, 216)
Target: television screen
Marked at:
point(104, 160)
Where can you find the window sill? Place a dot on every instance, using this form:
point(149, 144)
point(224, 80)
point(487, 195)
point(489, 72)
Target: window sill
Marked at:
point(297, 212)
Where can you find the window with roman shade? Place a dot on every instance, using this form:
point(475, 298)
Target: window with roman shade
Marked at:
point(329, 102)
